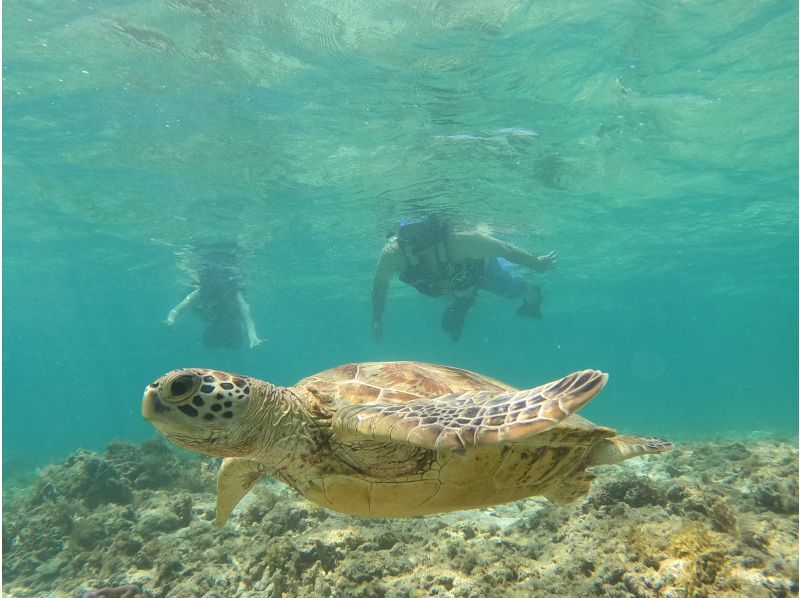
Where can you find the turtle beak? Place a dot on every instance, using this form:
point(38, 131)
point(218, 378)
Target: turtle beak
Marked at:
point(152, 405)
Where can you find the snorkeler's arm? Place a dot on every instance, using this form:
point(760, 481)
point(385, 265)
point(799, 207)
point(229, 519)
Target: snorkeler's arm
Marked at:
point(475, 245)
point(244, 309)
point(176, 311)
point(388, 265)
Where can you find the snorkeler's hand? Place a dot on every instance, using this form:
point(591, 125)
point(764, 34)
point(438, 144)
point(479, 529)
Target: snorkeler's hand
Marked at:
point(547, 261)
point(255, 342)
point(377, 331)
point(169, 322)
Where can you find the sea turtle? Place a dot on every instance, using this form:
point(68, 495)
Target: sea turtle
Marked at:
point(392, 439)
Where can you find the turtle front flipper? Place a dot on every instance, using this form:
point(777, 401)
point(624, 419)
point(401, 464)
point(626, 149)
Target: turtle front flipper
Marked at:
point(458, 421)
point(235, 479)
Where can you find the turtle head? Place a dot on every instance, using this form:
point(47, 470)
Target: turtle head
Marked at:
point(201, 410)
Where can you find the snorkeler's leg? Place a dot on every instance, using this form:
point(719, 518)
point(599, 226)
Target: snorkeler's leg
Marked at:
point(531, 302)
point(250, 326)
point(501, 279)
point(453, 317)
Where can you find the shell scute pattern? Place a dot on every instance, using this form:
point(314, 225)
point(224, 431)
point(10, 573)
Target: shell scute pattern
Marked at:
point(356, 392)
point(406, 378)
point(393, 395)
point(395, 382)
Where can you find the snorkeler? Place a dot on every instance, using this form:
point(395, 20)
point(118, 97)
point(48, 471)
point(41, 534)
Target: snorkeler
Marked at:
point(219, 300)
point(428, 255)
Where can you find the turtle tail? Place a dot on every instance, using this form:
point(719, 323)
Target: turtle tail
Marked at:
point(619, 448)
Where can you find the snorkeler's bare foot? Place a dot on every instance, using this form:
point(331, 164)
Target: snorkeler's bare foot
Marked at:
point(255, 342)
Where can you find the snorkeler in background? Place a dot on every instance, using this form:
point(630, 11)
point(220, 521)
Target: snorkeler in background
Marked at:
point(427, 254)
point(218, 298)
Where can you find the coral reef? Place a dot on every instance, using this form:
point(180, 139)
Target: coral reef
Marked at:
point(708, 519)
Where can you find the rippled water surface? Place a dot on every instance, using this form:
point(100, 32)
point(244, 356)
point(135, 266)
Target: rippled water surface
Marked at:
point(652, 145)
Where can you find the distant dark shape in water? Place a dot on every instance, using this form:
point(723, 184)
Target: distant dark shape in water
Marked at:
point(131, 590)
point(392, 439)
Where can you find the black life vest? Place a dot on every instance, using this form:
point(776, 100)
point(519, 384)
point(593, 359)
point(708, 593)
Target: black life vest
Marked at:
point(439, 276)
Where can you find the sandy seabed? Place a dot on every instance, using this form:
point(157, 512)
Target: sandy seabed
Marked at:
point(714, 518)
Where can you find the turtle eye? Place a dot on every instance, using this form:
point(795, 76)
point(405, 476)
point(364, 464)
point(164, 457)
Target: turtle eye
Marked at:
point(182, 385)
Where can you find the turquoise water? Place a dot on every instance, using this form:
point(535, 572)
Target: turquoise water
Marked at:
point(653, 147)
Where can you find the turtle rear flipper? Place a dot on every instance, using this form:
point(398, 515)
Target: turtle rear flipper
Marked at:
point(458, 421)
point(619, 448)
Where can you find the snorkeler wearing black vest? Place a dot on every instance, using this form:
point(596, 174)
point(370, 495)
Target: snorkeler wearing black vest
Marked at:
point(218, 297)
point(440, 262)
